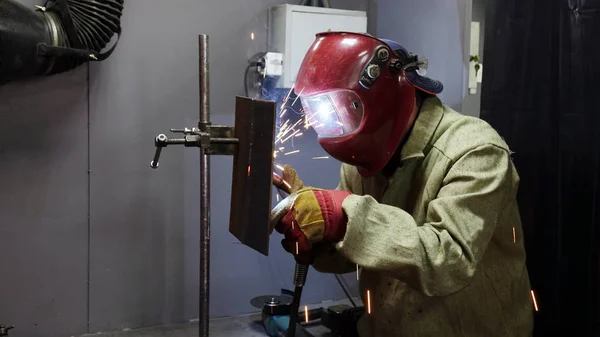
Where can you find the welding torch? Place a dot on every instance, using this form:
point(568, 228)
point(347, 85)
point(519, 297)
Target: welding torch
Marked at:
point(300, 272)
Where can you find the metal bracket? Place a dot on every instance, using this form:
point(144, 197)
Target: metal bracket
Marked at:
point(215, 140)
point(4, 329)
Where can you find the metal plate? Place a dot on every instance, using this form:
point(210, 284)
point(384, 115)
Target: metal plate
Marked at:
point(260, 301)
point(252, 173)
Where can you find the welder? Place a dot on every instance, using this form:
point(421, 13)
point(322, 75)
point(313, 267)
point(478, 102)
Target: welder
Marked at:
point(426, 206)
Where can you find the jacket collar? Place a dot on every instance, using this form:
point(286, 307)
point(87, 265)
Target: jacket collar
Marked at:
point(426, 124)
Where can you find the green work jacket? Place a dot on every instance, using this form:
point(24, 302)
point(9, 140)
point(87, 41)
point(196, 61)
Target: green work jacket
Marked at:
point(439, 243)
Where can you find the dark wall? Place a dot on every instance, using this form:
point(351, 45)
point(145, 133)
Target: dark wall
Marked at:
point(92, 238)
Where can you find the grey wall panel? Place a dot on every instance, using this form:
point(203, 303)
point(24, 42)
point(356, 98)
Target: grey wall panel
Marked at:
point(434, 29)
point(43, 205)
point(144, 223)
point(472, 104)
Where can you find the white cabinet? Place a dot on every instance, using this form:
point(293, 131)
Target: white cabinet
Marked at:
point(293, 28)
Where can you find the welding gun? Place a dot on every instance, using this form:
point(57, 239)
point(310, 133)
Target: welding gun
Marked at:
point(300, 272)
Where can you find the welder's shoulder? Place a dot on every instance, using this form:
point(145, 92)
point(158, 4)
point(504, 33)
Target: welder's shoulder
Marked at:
point(458, 134)
point(350, 179)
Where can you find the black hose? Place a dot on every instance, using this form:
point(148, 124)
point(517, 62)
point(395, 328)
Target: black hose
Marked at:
point(96, 22)
point(300, 274)
point(57, 37)
point(294, 311)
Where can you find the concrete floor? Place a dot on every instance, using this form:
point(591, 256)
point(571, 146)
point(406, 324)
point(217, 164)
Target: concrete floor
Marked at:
point(240, 326)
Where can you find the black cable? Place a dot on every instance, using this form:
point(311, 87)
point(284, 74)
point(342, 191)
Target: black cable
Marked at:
point(300, 273)
point(294, 309)
point(255, 61)
point(337, 277)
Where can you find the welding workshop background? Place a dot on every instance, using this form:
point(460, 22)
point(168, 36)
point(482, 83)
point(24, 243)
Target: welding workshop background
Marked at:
point(92, 240)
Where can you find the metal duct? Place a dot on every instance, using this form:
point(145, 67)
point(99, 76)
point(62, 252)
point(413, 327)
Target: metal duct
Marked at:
point(57, 37)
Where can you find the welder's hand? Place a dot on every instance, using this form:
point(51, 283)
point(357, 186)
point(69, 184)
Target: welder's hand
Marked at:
point(311, 217)
point(288, 181)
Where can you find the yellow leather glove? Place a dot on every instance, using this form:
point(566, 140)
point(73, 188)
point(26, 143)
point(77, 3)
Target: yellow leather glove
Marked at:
point(311, 216)
point(288, 181)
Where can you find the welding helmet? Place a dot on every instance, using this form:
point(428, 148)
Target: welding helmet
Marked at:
point(358, 93)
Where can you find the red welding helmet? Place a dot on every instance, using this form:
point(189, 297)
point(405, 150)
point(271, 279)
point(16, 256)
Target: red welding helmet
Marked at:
point(358, 93)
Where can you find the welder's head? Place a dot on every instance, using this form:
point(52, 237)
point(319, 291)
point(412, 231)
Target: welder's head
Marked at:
point(359, 94)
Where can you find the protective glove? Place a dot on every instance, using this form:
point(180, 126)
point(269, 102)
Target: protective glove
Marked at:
point(310, 218)
point(289, 181)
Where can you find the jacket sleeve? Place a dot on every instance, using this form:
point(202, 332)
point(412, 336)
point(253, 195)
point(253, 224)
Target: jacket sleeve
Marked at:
point(330, 260)
point(437, 257)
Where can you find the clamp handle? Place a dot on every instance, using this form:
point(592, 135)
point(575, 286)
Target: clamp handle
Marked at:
point(4, 329)
point(160, 141)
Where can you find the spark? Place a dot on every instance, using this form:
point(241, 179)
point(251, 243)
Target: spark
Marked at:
point(287, 184)
point(534, 301)
point(297, 249)
point(283, 113)
point(279, 167)
point(311, 117)
point(281, 148)
point(320, 125)
point(296, 124)
point(339, 123)
point(251, 36)
point(249, 170)
point(274, 154)
point(299, 134)
point(324, 157)
point(357, 272)
point(306, 314)
point(288, 94)
point(292, 152)
point(369, 302)
point(284, 129)
point(287, 131)
point(297, 96)
point(307, 123)
point(514, 235)
point(277, 197)
point(290, 136)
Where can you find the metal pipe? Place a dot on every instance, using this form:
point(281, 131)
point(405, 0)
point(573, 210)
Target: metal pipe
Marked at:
point(204, 77)
point(204, 289)
point(224, 141)
point(326, 3)
point(204, 243)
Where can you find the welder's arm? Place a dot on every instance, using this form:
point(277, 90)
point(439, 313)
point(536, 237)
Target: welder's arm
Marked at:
point(438, 257)
point(330, 260)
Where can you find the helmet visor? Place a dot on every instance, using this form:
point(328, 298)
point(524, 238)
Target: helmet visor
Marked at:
point(333, 114)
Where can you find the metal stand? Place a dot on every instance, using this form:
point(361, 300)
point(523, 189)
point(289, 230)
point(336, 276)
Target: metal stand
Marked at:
point(250, 143)
point(211, 139)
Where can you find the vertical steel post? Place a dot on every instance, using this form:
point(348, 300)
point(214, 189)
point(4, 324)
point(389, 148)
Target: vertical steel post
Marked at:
point(204, 287)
